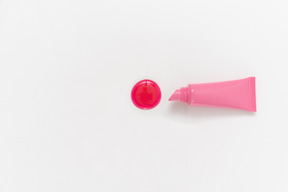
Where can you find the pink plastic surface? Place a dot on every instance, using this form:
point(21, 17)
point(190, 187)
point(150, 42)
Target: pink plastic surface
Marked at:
point(146, 94)
point(238, 94)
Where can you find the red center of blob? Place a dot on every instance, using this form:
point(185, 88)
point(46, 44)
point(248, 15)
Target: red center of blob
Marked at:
point(146, 94)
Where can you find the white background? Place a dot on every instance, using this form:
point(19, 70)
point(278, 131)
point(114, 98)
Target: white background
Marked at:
point(67, 123)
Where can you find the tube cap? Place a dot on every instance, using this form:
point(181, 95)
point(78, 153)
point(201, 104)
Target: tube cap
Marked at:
point(146, 94)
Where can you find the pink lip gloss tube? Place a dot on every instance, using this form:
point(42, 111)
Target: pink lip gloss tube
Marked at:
point(237, 94)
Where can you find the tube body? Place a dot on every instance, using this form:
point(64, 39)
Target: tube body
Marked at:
point(238, 94)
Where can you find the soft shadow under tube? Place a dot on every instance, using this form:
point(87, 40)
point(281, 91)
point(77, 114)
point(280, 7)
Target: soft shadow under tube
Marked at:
point(237, 94)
